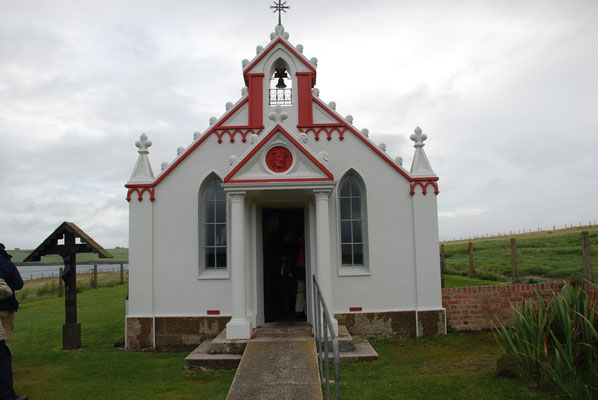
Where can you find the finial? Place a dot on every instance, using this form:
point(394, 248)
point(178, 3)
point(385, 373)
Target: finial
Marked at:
point(280, 7)
point(418, 137)
point(143, 144)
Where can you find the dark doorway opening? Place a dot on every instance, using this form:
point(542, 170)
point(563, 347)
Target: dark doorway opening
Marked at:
point(284, 264)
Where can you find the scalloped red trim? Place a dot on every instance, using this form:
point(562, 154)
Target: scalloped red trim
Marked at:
point(424, 186)
point(140, 190)
point(317, 129)
point(232, 131)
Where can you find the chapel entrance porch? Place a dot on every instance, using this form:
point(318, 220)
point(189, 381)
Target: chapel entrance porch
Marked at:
point(258, 213)
point(284, 264)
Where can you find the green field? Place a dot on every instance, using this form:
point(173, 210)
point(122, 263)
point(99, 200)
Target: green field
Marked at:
point(456, 366)
point(548, 254)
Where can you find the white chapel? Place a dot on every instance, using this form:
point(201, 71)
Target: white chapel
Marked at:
point(278, 189)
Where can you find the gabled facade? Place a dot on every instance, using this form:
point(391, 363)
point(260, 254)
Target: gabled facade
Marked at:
point(281, 164)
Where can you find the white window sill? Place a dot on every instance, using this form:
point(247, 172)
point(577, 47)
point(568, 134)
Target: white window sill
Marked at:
point(213, 274)
point(354, 271)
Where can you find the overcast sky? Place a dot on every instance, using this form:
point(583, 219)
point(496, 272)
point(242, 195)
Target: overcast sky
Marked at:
point(507, 92)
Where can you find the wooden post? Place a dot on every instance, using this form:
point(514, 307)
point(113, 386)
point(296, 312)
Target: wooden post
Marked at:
point(470, 250)
point(514, 260)
point(60, 283)
point(95, 276)
point(71, 330)
point(122, 280)
point(587, 258)
point(442, 266)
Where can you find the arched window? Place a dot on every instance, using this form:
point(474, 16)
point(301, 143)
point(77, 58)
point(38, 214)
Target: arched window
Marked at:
point(352, 222)
point(214, 226)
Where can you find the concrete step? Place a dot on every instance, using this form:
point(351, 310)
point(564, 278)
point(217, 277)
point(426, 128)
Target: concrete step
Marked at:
point(362, 351)
point(278, 369)
point(221, 345)
point(201, 359)
point(221, 353)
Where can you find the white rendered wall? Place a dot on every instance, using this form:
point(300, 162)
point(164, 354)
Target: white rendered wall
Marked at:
point(180, 289)
point(389, 282)
point(429, 294)
point(140, 257)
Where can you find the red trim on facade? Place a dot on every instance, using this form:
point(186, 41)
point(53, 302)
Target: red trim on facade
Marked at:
point(140, 190)
point(279, 180)
point(213, 312)
point(256, 99)
point(274, 130)
point(355, 309)
point(328, 128)
point(217, 126)
point(304, 103)
point(268, 49)
point(232, 131)
point(367, 142)
point(424, 185)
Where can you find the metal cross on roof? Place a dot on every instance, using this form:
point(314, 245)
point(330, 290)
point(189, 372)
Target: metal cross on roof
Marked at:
point(280, 6)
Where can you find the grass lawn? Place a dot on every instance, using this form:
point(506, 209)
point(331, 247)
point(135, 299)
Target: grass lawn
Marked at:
point(552, 254)
point(457, 366)
point(98, 371)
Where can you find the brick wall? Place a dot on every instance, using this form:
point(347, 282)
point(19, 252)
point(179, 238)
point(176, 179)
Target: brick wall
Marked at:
point(475, 308)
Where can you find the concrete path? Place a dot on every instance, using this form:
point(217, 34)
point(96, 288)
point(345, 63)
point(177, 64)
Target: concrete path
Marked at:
point(277, 366)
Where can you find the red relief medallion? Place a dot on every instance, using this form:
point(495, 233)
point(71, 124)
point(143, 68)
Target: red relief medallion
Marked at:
point(279, 159)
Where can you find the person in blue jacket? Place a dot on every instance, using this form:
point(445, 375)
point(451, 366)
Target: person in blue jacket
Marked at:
point(12, 277)
point(8, 305)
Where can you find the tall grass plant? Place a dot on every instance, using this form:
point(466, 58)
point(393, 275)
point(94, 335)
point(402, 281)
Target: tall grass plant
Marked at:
point(555, 341)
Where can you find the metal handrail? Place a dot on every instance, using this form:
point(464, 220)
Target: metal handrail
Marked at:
point(323, 325)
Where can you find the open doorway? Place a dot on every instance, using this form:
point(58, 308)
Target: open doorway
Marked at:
point(284, 264)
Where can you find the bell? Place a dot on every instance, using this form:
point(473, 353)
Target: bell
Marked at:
point(280, 74)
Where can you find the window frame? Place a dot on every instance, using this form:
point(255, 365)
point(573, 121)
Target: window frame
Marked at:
point(205, 272)
point(352, 269)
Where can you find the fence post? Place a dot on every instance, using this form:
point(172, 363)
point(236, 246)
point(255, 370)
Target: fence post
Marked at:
point(95, 276)
point(121, 274)
point(587, 258)
point(442, 266)
point(514, 260)
point(60, 284)
point(470, 250)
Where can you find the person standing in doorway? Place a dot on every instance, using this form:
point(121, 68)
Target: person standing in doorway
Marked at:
point(287, 256)
point(300, 276)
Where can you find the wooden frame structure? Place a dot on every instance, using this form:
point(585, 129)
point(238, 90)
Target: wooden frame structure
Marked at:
point(73, 241)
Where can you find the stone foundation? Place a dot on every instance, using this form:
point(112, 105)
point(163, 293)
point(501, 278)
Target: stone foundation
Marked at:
point(140, 333)
point(393, 324)
point(172, 333)
point(431, 323)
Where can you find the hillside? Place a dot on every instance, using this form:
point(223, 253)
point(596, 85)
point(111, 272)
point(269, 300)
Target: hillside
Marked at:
point(550, 254)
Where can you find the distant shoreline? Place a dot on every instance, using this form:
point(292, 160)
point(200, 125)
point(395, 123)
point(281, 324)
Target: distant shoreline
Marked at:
point(106, 261)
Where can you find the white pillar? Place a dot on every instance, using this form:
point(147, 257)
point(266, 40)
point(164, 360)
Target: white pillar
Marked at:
point(324, 269)
point(239, 326)
point(427, 258)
